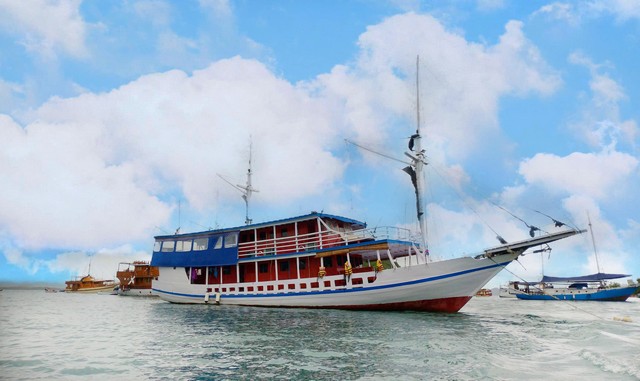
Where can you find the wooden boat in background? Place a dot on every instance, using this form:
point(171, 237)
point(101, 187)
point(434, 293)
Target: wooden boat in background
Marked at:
point(136, 278)
point(88, 284)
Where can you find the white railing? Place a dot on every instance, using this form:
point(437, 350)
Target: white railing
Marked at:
point(319, 240)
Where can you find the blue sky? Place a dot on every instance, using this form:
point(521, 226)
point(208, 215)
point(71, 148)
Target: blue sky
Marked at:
point(116, 118)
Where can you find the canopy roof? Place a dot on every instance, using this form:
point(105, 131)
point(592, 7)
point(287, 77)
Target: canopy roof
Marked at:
point(584, 278)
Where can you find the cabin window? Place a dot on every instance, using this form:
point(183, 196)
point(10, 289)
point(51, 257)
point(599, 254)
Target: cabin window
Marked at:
point(231, 240)
point(156, 246)
point(168, 246)
point(303, 264)
point(183, 246)
point(226, 270)
point(328, 262)
point(284, 266)
point(200, 244)
point(218, 244)
point(263, 267)
point(284, 232)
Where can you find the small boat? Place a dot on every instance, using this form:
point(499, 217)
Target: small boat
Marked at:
point(51, 290)
point(484, 292)
point(88, 284)
point(589, 287)
point(320, 260)
point(592, 287)
point(512, 288)
point(136, 278)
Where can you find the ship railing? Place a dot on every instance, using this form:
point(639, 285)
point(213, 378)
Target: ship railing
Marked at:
point(358, 279)
point(319, 240)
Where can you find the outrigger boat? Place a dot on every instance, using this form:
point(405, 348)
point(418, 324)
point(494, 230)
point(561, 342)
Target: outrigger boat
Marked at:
point(321, 260)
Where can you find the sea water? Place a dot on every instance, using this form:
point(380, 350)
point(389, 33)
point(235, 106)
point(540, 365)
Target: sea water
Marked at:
point(64, 336)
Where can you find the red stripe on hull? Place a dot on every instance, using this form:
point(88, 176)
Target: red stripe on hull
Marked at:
point(435, 305)
point(448, 305)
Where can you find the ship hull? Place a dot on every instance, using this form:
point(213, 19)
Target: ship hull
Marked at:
point(620, 294)
point(89, 290)
point(136, 292)
point(444, 286)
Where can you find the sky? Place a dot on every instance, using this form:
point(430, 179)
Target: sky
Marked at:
point(120, 119)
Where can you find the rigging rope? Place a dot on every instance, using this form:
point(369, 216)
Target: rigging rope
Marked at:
point(460, 196)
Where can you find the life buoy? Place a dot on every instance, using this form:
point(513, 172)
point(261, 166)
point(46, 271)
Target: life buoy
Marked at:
point(347, 268)
point(322, 272)
point(379, 266)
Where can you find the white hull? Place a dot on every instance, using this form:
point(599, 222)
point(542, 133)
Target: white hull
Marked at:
point(137, 292)
point(508, 292)
point(436, 286)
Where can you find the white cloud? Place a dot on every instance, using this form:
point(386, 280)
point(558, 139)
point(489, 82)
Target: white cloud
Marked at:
point(378, 89)
point(46, 26)
point(564, 12)
point(489, 5)
point(595, 175)
point(599, 122)
point(220, 8)
point(575, 13)
point(104, 262)
point(623, 10)
point(93, 170)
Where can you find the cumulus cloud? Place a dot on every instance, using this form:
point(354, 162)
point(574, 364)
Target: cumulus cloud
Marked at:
point(596, 175)
point(599, 122)
point(378, 87)
point(46, 26)
point(94, 169)
point(575, 13)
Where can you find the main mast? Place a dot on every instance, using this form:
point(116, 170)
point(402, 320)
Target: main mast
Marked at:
point(415, 170)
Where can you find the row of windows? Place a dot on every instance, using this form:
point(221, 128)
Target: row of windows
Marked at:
point(197, 244)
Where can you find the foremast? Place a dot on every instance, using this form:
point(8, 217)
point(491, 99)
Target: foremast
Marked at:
point(246, 189)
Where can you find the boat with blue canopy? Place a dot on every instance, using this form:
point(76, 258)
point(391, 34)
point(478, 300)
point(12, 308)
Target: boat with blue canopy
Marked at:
point(592, 287)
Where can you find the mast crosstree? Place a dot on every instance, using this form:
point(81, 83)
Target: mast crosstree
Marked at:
point(246, 189)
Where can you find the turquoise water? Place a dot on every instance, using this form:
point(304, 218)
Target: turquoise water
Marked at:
point(61, 336)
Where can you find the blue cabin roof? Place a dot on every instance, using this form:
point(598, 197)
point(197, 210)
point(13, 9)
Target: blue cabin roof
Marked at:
point(354, 223)
point(585, 278)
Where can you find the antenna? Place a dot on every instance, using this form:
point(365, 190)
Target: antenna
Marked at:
point(247, 189)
